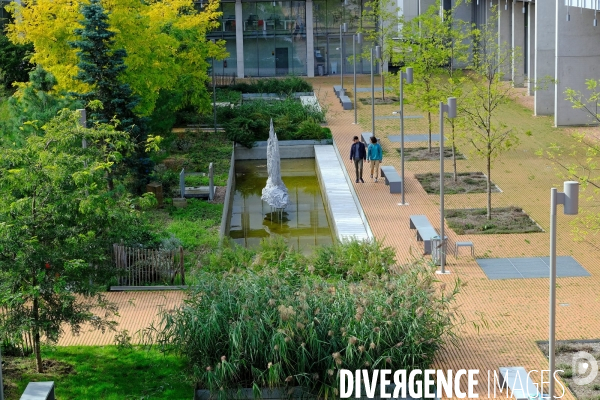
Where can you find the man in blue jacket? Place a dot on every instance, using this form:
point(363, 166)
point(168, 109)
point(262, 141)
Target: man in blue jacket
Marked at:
point(358, 154)
point(374, 156)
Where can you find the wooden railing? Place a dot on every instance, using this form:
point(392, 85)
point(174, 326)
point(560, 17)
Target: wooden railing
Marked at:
point(142, 267)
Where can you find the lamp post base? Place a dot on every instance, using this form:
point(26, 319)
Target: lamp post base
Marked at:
point(446, 272)
point(402, 204)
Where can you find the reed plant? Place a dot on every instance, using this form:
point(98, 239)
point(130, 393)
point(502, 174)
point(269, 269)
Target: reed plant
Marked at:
point(279, 329)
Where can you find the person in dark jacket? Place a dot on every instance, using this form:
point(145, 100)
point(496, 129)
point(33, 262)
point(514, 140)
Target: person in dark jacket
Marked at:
point(358, 154)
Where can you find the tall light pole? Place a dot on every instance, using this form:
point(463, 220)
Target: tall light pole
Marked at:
point(409, 79)
point(377, 54)
point(570, 200)
point(449, 108)
point(357, 38)
point(214, 87)
point(343, 29)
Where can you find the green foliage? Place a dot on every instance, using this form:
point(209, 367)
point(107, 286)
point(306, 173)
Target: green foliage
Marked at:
point(133, 373)
point(249, 122)
point(14, 62)
point(196, 225)
point(350, 260)
point(287, 86)
point(32, 106)
point(57, 225)
point(101, 67)
point(353, 260)
point(284, 329)
point(578, 159)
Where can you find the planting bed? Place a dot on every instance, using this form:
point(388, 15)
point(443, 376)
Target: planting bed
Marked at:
point(504, 220)
point(467, 182)
point(423, 153)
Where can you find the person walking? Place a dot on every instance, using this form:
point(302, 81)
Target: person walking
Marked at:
point(358, 153)
point(374, 156)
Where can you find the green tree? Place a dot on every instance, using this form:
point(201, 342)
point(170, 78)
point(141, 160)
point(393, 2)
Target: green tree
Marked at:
point(101, 68)
point(14, 62)
point(486, 92)
point(426, 45)
point(165, 40)
point(579, 159)
point(34, 104)
point(57, 222)
point(381, 28)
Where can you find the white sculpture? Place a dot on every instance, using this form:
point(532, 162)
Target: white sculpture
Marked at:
point(275, 193)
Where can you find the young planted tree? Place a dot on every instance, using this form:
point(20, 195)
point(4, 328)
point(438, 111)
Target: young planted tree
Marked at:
point(486, 92)
point(57, 224)
point(579, 159)
point(380, 27)
point(426, 46)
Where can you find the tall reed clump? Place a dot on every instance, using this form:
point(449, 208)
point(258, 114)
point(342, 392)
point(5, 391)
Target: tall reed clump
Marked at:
point(281, 329)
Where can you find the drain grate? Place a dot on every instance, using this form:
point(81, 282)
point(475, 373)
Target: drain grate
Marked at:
point(530, 267)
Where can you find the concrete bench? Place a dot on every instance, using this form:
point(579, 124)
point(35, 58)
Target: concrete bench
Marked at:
point(520, 385)
point(366, 138)
point(337, 89)
point(39, 391)
point(392, 178)
point(425, 231)
point(346, 102)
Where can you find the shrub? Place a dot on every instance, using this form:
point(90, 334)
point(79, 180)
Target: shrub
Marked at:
point(353, 259)
point(311, 129)
point(271, 329)
point(273, 85)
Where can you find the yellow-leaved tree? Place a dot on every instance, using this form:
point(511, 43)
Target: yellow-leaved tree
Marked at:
point(165, 40)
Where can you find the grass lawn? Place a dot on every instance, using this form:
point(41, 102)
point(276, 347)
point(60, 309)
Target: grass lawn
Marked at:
point(95, 372)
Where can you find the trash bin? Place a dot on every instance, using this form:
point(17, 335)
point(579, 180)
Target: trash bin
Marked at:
point(320, 69)
point(437, 250)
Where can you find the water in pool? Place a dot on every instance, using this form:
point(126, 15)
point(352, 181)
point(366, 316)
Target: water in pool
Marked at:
point(304, 221)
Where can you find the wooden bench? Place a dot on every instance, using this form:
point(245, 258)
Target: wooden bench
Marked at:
point(425, 231)
point(518, 382)
point(392, 178)
point(346, 102)
point(39, 391)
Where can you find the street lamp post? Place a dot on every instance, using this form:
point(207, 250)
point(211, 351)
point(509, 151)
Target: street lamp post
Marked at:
point(214, 87)
point(449, 108)
point(570, 200)
point(377, 51)
point(409, 79)
point(343, 29)
point(357, 38)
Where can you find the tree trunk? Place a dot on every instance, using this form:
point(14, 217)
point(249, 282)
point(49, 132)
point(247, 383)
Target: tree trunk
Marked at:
point(429, 129)
point(36, 336)
point(489, 188)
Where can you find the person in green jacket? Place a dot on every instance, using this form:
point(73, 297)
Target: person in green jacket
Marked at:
point(374, 156)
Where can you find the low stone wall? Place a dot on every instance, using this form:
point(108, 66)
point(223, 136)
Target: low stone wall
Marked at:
point(287, 149)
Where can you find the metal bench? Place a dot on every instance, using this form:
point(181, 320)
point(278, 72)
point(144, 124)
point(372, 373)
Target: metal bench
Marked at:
point(39, 391)
point(518, 382)
point(425, 231)
point(346, 102)
point(463, 244)
point(392, 178)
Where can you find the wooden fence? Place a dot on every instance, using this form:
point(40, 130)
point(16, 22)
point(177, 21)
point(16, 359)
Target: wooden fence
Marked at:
point(141, 267)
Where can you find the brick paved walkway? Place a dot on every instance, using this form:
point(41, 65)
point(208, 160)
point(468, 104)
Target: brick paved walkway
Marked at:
point(516, 311)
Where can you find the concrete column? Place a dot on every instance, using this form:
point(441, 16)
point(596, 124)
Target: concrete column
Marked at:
point(239, 38)
point(577, 59)
point(531, 48)
point(545, 17)
point(505, 34)
point(310, 40)
point(518, 44)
